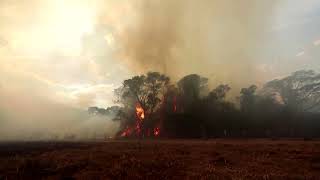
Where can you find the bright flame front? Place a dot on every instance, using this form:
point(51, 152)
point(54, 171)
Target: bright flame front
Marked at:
point(139, 112)
point(137, 129)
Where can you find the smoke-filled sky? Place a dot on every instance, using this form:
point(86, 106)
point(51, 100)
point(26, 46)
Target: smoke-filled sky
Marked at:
point(76, 52)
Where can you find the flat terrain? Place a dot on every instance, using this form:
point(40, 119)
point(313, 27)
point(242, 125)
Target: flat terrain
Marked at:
point(161, 159)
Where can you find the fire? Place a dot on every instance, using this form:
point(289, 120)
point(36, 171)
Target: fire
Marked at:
point(126, 132)
point(137, 128)
point(139, 112)
point(156, 131)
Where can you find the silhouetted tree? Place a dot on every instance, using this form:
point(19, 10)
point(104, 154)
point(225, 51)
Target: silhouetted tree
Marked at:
point(247, 98)
point(191, 87)
point(219, 93)
point(147, 90)
point(288, 107)
point(217, 112)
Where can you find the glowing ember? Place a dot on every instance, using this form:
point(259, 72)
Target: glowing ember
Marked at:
point(127, 132)
point(138, 128)
point(156, 131)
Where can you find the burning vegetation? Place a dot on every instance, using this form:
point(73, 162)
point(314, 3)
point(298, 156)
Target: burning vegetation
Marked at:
point(152, 106)
point(136, 130)
point(139, 116)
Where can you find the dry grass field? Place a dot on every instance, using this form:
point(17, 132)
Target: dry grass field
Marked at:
point(161, 159)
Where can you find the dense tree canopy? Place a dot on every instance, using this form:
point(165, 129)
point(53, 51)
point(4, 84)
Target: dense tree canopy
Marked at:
point(146, 90)
point(189, 108)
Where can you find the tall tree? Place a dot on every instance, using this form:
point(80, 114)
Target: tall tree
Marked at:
point(247, 98)
point(147, 90)
point(191, 87)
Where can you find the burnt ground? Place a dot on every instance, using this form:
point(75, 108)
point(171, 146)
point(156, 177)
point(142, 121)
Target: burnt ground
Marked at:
point(161, 159)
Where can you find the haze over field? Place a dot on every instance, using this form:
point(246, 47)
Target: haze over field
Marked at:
point(59, 57)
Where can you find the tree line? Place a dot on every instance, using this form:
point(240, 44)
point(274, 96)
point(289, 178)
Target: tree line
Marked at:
point(286, 107)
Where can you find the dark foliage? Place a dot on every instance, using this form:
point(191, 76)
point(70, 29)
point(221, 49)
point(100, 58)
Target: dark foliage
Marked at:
point(288, 107)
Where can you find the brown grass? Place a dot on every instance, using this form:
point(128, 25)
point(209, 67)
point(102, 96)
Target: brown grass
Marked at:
point(162, 159)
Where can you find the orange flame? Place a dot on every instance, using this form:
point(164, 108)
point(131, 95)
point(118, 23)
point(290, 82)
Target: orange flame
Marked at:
point(136, 130)
point(139, 112)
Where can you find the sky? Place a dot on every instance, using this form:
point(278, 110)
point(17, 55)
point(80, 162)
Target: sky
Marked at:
point(295, 38)
point(77, 52)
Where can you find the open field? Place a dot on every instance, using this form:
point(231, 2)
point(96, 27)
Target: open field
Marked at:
point(161, 159)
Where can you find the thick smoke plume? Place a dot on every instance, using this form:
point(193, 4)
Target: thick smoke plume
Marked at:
point(219, 39)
